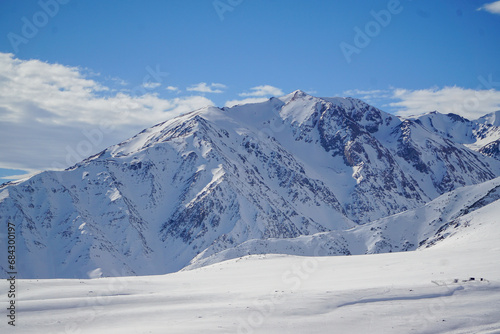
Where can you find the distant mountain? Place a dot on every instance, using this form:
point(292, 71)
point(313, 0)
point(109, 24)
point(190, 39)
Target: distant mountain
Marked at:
point(216, 178)
point(482, 135)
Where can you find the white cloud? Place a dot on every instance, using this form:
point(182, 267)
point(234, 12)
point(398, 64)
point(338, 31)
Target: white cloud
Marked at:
point(264, 90)
point(493, 7)
point(115, 80)
point(151, 85)
point(203, 87)
point(469, 103)
point(50, 111)
point(218, 85)
point(232, 103)
point(173, 89)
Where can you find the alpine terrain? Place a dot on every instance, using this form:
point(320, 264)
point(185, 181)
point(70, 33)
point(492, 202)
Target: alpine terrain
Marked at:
point(297, 175)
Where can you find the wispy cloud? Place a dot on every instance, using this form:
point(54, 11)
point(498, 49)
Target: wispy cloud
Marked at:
point(376, 97)
point(115, 80)
point(257, 94)
point(151, 85)
point(233, 103)
point(203, 87)
point(18, 177)
point(264, 90)
point(173, 89)
point(493, 7)
point(49, 110)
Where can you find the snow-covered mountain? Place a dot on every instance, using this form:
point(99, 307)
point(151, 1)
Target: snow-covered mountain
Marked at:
point(482, 134)
point(216, 178)
point(423, 227)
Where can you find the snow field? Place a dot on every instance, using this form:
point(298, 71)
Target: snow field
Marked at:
point(426, 291)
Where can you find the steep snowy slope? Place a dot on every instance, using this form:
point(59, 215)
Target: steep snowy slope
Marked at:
point(414, 229)
point(215, 178)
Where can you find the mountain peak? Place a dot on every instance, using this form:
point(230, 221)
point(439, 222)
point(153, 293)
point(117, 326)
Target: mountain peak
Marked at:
point(299, 93)
point(295, 95)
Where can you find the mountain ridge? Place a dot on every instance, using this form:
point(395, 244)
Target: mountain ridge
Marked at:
point(218, 177)
point(481, 135)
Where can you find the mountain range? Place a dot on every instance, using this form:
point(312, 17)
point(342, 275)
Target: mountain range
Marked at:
point(296, 175)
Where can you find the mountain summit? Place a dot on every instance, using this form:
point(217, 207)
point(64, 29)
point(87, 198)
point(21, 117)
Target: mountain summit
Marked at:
point(215, 178)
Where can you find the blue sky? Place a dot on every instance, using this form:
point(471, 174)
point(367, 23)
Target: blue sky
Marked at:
point(69, 68)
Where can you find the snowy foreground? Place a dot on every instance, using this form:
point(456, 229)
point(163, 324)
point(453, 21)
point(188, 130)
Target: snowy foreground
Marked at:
point(426, 291)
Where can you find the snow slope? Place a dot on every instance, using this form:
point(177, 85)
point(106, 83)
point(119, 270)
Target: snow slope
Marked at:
point(423, 291)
